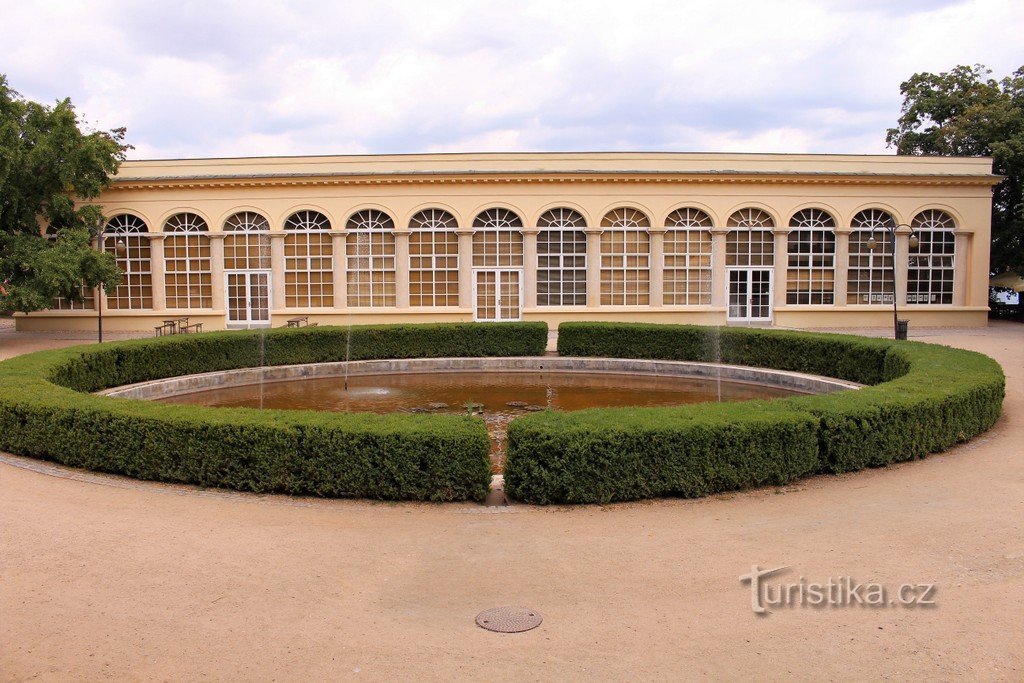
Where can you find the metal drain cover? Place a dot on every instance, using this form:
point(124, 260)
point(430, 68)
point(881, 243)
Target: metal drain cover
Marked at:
point(509, 619)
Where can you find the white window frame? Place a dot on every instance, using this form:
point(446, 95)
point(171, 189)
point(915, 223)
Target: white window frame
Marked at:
point(563, 222)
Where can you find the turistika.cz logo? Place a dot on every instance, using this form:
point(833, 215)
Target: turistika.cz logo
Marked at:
point(842, 591)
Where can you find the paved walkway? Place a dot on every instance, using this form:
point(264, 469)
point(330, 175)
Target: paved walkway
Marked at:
point(112, 578)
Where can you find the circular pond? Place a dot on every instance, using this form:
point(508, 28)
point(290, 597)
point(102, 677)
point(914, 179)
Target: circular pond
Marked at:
point(499, 397)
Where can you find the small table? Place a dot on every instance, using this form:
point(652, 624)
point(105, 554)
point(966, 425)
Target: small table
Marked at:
point(299, 321)
point(173, 324)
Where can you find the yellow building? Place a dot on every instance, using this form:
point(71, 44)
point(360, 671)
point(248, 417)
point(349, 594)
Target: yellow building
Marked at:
point(790, 240)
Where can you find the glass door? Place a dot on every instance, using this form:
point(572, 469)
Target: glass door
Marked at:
point(498, 295)
point(248, 298)
point(750, 294)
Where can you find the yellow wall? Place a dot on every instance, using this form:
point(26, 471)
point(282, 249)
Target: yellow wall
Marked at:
point(592, 184)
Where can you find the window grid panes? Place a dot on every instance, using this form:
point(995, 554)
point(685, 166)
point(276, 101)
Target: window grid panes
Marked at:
point(433, 259)
point(930, 266)
point(561, 258)
point(87, 302)
point(687, 280)
point(135, 290)
point(187, 269)
point(247, 244)
point(308, 261)
point(498, 218)
point(869, 277)
point(625, 258)
point(751, 241)
point(370, 260)
point(497, 249)
point(811, 251)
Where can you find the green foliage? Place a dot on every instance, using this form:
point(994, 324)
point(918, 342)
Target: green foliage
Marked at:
point(47, 167)
point(410, 457)
point(606, 455)
point(96, 367)
point(964, 112)
point(921, 399)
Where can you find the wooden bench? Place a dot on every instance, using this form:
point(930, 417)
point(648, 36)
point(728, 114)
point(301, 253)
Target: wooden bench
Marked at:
point(191, 329)
point(298, 321)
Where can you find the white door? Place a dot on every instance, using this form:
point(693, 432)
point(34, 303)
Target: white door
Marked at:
point(499, 295)
point(248, 298)
point(750, 294)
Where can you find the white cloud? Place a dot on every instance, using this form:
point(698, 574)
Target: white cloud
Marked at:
point(246, 78)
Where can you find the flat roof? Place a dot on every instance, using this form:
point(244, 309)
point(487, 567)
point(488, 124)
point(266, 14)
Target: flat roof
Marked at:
point(556, 163)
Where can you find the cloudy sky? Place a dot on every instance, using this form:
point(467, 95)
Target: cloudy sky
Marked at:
point(206, 78)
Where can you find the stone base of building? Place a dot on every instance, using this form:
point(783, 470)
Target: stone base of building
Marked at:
point(787, 317)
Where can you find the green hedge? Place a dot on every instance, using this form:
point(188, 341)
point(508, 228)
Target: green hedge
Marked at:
point(922, 398)
point(44, 414)
point(99, 367)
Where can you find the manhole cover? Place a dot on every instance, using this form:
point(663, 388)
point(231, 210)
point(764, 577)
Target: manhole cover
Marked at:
point(509, 619)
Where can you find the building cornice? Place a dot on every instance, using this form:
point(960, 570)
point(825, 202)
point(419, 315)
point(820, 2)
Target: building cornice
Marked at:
point(527, 177)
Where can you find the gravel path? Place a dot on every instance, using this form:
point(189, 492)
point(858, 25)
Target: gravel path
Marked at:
point(104, 577)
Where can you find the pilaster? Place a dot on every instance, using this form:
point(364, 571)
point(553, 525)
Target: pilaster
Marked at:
point(339, 274)
point(842, 265)
point(156, 269)
point(402, 264)
point(902, 257)
point(718, 277)
point(781, 264)
point(465, 267)
point(961, 256)
point(530, 267)
point(277, 271)
point(657, 266)
point(593, 267)
point(217, 281)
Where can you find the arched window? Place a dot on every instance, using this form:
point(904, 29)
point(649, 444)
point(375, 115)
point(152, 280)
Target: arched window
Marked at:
point(87, 297)
point(561, 259)
point(930, 267)
point(625, 258)
point(869, 278)
point(687, 258)
point(370, 259)
point(187, 272)
point(811, 248)
point(433, 259)
point(498, 239)
point(247, 242)
point(126, 237)
point(498, 219)
point(308, 261)
point(750, 242)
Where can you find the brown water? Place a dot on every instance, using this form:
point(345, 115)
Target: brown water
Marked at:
point(499, 397)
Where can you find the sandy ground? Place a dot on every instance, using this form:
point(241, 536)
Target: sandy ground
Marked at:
point(109, 578)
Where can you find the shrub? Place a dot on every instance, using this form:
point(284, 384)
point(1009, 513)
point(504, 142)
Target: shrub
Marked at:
point(98, 367)
point(43, 413)
point(922, 398)
point(607, 455)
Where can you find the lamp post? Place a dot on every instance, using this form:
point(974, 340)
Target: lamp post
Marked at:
point(120, 248)
point(872, 243)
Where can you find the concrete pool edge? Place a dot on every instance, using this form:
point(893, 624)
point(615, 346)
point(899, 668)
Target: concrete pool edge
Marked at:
point(186, 384)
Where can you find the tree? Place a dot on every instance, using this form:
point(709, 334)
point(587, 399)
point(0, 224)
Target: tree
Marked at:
point(964, 112)
point(49, 169)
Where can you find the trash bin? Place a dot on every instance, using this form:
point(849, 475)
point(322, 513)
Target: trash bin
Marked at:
point(901, 328)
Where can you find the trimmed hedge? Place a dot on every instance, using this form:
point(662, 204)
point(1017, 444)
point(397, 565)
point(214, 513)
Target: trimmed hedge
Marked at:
point(922, 398)
point(44, 413)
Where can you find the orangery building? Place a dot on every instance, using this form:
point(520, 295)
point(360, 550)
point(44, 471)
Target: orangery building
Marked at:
point(765, 239)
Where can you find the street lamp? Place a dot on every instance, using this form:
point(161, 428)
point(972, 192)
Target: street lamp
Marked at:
point(914, 242)
point(120, 249)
